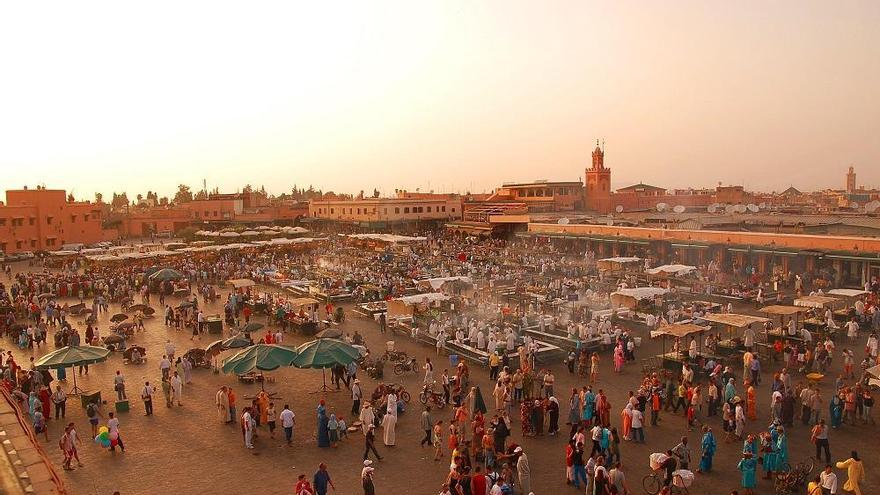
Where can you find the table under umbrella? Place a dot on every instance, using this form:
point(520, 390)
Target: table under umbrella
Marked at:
point(72, 355)
point(323, 354)
point(262, 357)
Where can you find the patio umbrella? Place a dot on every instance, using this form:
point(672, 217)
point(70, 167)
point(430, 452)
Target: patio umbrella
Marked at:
point(237, 341)
point(69, 356)
point(166, 274)
point(118, 317)
point(252, 327)
point(325, 353)
point(263, 357)
point(46, 295)
point(330, 333)
point(185, 304)
point(148, 311)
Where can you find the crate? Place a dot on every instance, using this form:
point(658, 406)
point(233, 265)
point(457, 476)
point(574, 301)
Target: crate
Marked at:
point(122, 406)
point(87, 397)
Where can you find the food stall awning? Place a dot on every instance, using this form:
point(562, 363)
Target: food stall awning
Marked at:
point(641, 292)
point(733, 319)
point(437, 282)
point(677, 330)
point(427, 298)
point(815, 301)
point(782, 310)
point(848, 292)
point(676, 270)
point(302, 301)
point(874, 371)
point(239, 283)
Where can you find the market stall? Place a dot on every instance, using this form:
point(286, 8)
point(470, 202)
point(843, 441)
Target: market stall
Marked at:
point(677, 355)
point(638, 297)
point(736, 325)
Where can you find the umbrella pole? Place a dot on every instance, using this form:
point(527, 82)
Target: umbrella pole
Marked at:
point(75, 390)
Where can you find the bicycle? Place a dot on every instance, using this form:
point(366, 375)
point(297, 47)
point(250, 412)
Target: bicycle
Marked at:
point(411, 366)
point(789, 479)
point(653, 484)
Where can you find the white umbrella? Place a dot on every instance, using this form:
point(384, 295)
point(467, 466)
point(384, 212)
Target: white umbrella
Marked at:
point(270, 232)
point(229, 234)
point(250, 233)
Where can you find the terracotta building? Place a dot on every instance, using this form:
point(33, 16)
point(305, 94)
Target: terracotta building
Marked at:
point(44, 220)
point(597, 192)
point(385, 211)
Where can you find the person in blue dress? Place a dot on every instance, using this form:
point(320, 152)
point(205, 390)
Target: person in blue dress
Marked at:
point(323, 430)
point(708, 447)
point(836, 410)
point(61, 373)
point(781, 450)
point(747, 467)
point(589, 402)
point(768, 448)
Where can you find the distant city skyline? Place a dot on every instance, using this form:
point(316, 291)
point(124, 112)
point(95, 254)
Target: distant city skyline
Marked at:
point(443, 96)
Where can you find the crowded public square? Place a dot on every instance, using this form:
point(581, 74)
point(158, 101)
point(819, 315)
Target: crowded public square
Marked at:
point(478, 366)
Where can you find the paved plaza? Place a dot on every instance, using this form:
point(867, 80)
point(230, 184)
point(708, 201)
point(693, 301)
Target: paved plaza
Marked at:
point(187, 449)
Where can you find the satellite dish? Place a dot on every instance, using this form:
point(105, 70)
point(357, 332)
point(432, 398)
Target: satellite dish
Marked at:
point(853, 205)
point(752, 208)
point(679, 209)
point(563, 221)
point(712, 208)
point(872, 206)
point(762, 205)
point(729, 208)
point(619, 209)
point(661, 206)
point(609, 222)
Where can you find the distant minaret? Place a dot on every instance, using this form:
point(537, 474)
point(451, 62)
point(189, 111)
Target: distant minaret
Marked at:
point(597, 187)
point(851, 180)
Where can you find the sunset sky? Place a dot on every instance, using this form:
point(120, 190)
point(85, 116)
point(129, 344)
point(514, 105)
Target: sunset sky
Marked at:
point(442, 95)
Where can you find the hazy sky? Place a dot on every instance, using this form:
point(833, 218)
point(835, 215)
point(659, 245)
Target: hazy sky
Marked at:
point(444, 95)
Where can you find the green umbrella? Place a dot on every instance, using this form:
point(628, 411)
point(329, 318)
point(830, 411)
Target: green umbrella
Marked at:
point(252, 327)
point(237, 341)
point(72, 355)
point(263, 357)
point(166, 274)
point(325, 353)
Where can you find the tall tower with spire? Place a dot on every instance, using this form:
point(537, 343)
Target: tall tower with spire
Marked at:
point(851, 180)
point(597, 190)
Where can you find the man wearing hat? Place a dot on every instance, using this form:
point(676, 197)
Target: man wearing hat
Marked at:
point(356, 395)
point(522, 469)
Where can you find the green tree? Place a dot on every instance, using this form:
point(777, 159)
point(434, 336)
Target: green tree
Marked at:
point(183, 195)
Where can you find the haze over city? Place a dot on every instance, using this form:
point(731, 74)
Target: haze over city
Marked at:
point(444, 96)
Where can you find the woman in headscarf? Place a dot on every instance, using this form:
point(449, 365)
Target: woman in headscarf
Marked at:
point(836, 410)
point(553, 416)
point(708, 447)
point(781, 450)
point(751, 401)
point(574, 411)
point(323, 430)
point(626, 418)
point(589, 401)
point(855, 473)
point(747, 467)
point(222, 402)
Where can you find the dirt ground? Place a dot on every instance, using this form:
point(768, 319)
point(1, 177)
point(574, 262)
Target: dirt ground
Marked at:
point(187, 449)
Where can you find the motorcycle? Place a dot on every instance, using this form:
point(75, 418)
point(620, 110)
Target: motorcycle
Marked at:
point(429, 396)
point(411, 366)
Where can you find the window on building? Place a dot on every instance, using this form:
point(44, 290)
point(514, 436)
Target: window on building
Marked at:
point(397, 210)
point(18, 244)
point(216, 213)
point(374, 210)
point(444, 209)
point(406, 210)
point(72, 218)
point(2, 222)
point(332, 210)
point(453, 209)
point(32, 221)
point(85, 218)
point(359, 211)
point(385, 210)
point(429, 209)
point(33, 243)
point(50, 242)
point(49, 220)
